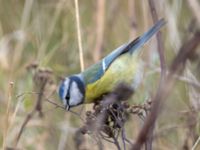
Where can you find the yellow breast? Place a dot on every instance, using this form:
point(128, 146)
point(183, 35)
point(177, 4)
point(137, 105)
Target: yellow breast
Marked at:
point(123, 69)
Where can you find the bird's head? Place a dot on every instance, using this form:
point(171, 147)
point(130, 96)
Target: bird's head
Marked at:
point(72, 91)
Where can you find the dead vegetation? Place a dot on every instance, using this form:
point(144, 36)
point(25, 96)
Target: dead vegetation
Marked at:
point(162, 114)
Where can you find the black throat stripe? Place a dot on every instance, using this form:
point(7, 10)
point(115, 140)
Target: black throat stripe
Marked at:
point(67, 97)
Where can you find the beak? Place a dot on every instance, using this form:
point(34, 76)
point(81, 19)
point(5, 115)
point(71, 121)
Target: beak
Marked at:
point(67, 107)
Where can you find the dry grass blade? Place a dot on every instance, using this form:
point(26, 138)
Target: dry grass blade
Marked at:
point(7, 122)
point(78, 26)
point(196, 144)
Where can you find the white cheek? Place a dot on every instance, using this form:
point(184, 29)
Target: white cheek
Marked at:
point(66, 84)
point(75, 95)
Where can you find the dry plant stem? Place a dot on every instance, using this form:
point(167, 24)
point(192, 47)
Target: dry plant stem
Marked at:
point(148, 143)
point(159, 39)
point(59, 106)
point(196, 143)
point(123, 137)
point(99, 29)
point(195, 7)
point(186, 52)
point(116, 143)
point(80, 47)
point(79, 35)
point(27, 119)
point(37, 108)
point(154, 15)
point(166, 85)
point(25, 93)
point(99, 143)
point(7, 122)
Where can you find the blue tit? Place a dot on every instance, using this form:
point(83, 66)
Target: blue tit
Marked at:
point(121, 65)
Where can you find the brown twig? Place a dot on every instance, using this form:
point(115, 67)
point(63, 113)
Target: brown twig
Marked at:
point(162, 63)
point(7, 121)
point(116, 143)
point(196, 143)
point(37, 108)
point(41, 78)
point(62, 107)
point(186, 52)
point(165, 88)
point(123, 137)
point(159, 38)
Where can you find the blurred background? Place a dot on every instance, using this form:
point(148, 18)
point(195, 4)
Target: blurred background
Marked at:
point(39, 45)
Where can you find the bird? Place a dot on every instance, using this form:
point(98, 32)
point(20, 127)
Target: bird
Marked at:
point(121, 65)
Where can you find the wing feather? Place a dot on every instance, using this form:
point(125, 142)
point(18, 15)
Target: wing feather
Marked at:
point(96, 71)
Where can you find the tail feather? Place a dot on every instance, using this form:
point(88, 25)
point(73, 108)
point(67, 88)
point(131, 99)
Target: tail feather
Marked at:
point(134, 45)
point(131, 46)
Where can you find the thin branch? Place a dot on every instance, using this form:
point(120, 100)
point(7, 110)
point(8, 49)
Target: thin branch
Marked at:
point(123, 137)
point(195, 7)
point(37, 108)
point(149, 137)
point(196, 143)
point(159, 39)
point(26, 120)
point(106, 139)
point(116, 143)
point(7, 122)
point(186, 51)
point(62, 107)
point(26, 93)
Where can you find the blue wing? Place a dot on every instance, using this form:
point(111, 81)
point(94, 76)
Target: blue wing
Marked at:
point(96, 71)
